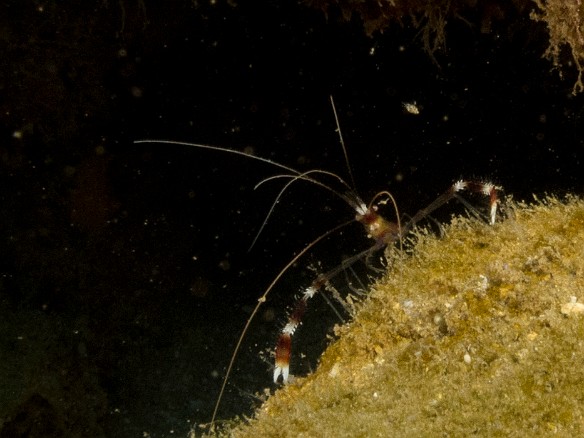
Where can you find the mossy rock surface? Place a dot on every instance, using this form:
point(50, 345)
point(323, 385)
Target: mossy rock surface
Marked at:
point(479, 332)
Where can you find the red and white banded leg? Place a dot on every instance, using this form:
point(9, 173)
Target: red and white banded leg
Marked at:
point(485, 188)
point(284, 345)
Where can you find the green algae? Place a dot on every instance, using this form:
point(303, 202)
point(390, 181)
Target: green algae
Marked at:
point(465, 336)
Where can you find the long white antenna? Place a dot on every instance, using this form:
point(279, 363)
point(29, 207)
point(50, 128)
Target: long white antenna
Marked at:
point(345, 153)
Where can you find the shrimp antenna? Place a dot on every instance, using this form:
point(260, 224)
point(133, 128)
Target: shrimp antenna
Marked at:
point(220, 149)
point(350, 197)
point(345, 153)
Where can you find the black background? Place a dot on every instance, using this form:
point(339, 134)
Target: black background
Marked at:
point(135, 256)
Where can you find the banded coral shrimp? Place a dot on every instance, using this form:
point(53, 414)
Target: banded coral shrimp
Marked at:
point(383, 232)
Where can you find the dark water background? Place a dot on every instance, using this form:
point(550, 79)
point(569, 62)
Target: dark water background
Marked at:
point(125, 276)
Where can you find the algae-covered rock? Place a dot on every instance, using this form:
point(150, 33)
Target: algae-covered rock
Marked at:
point(471, 333)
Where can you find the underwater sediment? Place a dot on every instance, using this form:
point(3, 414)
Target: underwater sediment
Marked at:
point(480, 331)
